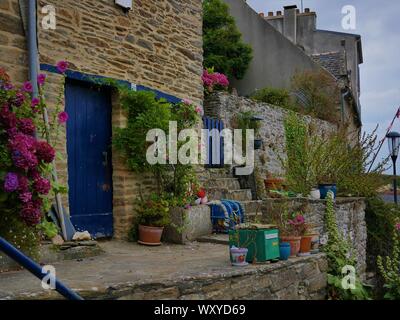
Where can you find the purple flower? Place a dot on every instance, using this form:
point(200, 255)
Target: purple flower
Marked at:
point(41, 79)
point(63, 117)
point(8, 86)
point(187, 102)
point(28, 87)
point(398, 227)
point(62, 66)
point(10, 182)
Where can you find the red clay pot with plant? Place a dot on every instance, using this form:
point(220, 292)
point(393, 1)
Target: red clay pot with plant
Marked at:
point(153, 216)
point(150, 235)
point(305, 244)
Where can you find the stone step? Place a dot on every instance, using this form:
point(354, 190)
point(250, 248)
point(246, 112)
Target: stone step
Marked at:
point(220, 173)
point(253, 207)
point(215, 238)
point(238, 195)
point(224, 183)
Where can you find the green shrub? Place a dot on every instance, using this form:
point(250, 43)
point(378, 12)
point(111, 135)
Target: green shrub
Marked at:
point(389, 269)
point(317, 94)
point(274, 96)
point(298, 165)
point(316, 159)
point(222, 42)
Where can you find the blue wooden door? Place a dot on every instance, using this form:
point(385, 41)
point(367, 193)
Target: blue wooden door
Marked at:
point(215, 143)
point(89, 158)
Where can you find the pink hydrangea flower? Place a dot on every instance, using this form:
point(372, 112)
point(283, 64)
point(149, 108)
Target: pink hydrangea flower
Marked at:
point(187, 102)
point(26, 126)
point(31, 213)
point(62, 66)
point(199, 110)
point(41, 79)
point(25, 197)
point(398, 227)
point(63, 117)
point(23, 151)
point(19, 99)
point(42, 186)
point(28, 87)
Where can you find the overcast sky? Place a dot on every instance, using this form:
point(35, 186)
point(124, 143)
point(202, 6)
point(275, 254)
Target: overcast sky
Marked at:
point(378, 24)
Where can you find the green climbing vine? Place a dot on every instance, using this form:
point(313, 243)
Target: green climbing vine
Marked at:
point(339, 255)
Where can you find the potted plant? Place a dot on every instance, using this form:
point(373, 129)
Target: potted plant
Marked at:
point(307, 236)
point(284, 250)
point(326, 177)
point(153, 216)
point(272, 183)
point(290, 231)
point(237, 252)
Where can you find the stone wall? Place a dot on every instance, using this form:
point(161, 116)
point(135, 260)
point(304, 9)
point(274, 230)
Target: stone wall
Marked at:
point(350, 215)
point(13, 51)
point(224, 106)
point(158, 44)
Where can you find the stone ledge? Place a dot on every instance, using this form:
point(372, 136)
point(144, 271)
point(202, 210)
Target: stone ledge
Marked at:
point(300, 278)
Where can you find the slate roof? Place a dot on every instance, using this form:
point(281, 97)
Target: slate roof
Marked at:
point(334, 62)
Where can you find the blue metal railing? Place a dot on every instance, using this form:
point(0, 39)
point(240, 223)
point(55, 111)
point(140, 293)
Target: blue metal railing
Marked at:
point(35, 269)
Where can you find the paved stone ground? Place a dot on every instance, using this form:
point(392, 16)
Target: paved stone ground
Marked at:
point(124, 266)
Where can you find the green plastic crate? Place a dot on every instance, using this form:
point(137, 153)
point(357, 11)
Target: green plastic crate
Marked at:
point(263, 244)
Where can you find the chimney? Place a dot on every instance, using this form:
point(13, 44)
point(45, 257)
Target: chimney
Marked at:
point(270, 14)
point(290, 23)
point(307, 10)
point(261, 14)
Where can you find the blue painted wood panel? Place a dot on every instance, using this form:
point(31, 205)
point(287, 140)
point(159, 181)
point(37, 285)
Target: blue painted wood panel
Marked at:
point(89, 158)
point(215, 143)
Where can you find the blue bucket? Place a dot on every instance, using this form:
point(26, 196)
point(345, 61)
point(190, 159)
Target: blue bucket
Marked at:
point(325, 188)
point(284, 249)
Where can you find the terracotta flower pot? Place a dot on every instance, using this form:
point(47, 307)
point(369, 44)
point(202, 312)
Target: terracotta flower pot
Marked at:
point(294, 245)
point(273, 184)
point(305, 245)
point(150, 236)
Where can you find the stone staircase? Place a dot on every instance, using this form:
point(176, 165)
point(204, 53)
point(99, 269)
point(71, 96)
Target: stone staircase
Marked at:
point(221, 184)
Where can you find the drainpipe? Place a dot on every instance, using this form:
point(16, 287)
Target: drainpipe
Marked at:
point(32, 46)
point(345, 94)
point(33, 54)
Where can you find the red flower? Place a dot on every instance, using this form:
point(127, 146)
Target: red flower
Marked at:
point(26, 126)
point(44, 151)
point(201, 193)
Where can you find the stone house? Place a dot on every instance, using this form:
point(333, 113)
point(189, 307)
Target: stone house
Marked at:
point(155, 46)
point(288, 42)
